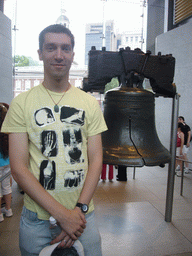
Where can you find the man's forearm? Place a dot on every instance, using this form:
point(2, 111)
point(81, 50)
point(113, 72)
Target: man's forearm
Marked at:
point(90, 184)
point(33, 189)
point(95, 160)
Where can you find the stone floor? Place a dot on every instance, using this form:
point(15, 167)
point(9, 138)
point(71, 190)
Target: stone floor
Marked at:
point(130, 216)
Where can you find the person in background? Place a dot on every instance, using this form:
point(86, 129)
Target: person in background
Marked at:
point(187, 137)
point(56, 152)
point(122, 173)
point(5, 184)
point(110, 173)
point(179, 149)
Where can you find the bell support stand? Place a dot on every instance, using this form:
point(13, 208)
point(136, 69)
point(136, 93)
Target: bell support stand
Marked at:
point(171, 170)
point(159, 69)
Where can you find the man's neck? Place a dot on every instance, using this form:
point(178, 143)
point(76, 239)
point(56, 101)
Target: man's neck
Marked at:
point(56, 85)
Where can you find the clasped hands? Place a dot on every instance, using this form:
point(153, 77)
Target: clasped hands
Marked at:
point(72, 226)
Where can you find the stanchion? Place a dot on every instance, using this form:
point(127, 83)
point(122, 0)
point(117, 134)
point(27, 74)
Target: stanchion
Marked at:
point(182, 172)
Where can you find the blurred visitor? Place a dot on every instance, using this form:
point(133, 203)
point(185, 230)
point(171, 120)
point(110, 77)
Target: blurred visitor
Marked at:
point(187, 137)
point(179, 149)
point(110, 172)
point(5, 183)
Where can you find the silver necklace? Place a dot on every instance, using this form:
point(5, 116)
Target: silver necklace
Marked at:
point(56, 107)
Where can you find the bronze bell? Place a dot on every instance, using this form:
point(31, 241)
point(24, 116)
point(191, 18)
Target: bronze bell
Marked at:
point(131, 139)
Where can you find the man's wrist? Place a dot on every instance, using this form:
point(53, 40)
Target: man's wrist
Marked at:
point(84, 207)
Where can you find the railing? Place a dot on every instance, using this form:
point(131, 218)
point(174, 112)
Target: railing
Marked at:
point(182, 173)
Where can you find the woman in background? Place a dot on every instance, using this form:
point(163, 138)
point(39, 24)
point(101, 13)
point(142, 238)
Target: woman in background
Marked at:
point(5, 184)
point(179, 150)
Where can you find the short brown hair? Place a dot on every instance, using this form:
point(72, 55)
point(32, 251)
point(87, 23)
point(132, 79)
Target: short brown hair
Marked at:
point(56, 28)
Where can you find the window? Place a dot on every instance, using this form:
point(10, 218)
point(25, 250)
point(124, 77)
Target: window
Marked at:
point(27, 85)
point(36, 82)
point(183, 10)
point(18, 85)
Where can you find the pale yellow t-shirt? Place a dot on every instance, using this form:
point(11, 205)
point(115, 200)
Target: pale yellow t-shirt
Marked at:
point(57, 141)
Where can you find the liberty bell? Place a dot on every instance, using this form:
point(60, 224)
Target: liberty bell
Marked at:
point(131, 139)
point(129, 110)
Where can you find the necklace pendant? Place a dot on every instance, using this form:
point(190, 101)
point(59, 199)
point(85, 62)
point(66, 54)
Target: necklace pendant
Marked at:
point(56, 108)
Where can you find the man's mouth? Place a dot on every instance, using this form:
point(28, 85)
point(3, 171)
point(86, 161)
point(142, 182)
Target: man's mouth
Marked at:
point(58, 65)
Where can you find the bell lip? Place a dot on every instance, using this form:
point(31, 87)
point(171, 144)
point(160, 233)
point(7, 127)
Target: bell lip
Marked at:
point(136, 164)
point(123, 89)
point(137, 161)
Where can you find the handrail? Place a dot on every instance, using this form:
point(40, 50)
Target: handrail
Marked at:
point(180, 159)
point(182, 173)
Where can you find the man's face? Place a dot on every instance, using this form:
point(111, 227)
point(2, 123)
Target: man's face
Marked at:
point(57, 55)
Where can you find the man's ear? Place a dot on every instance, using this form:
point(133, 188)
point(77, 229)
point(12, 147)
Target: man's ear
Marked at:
point(40, 54)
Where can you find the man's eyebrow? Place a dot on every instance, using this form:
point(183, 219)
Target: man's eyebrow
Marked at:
point(49, 44)
point(68, 45)
point(55, 44)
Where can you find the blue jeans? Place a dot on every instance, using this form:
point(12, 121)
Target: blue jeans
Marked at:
point(34, 235)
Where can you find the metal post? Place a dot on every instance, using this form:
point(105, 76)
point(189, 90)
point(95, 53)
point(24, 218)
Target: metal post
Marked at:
point(103, 37)
point(134, 168)
point(171, 171)
point(182, 176)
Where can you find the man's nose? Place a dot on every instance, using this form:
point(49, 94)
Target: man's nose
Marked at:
point(59, 53)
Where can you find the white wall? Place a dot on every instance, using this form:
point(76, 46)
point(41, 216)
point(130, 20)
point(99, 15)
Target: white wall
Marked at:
point(6, 92)
point(178, 42)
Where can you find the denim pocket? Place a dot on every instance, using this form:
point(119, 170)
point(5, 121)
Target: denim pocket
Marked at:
point(34, 233)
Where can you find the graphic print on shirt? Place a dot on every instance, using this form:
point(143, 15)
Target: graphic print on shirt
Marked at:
point(73, 178)
point(49, 143)
point(72, 139)
point(71, 122)
point(72, 115)
point(47, 174)
point(44, 116)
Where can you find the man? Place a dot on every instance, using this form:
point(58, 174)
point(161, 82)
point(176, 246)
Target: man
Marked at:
point(38, 122)
point(187, 137)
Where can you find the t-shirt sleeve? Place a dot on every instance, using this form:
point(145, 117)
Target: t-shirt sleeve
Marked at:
point(14, 121)
point(97, 123)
